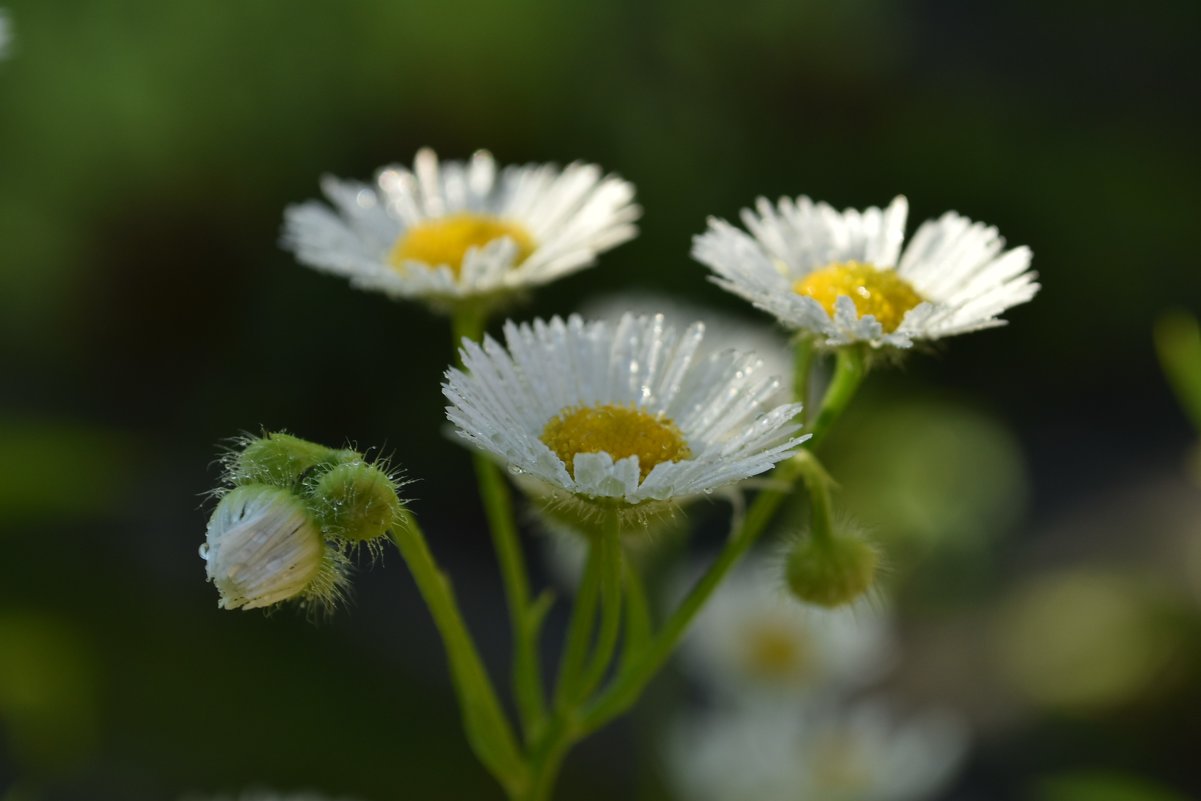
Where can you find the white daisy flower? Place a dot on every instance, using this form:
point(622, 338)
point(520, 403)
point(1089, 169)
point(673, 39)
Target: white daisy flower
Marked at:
point(844, 277)
point(623, 411)
point(456, 230)
point(820, 753)
point(722, 330)
point(753, 640)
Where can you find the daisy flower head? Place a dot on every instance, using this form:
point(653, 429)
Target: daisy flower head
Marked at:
point(619, 414)
point(722, 330)
point(456, 231)
point(844, 278)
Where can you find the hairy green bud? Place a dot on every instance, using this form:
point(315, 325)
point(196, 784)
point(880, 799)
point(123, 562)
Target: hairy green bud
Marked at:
point(831, 571)
point(279, 459)
point(356, 501)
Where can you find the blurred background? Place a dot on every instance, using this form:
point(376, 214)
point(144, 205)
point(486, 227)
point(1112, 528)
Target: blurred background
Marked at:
point(1031, 483)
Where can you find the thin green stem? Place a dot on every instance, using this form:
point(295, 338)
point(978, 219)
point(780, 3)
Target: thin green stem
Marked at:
point(817, 484)
point(488, 730)
point(466, 323)
point(639, 626)
point(849, 370)
point(547, 758)
point(525, 619)
point(803, 356)
point(611, 597)
point(629, 683)
point(579, 630)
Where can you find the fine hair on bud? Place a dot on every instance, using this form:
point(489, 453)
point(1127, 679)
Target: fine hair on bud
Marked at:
point(263, 547)
point(356, 501)
point(831, 571)
point(276, 458)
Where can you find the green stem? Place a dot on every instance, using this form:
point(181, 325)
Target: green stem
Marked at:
point(611, 597)
point(639, 627)
point(547, 759)
point(579, 630)
point(525, 619)
point(849, 370)
point(803, 355)
point(466, 323)
point(488, 730)
point(817, 484)
point(629, 683)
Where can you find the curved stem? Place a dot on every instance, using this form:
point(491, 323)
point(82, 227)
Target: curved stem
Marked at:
point(849, 370)
point(802, 367)
point(639, 626)
point(488, 730)
point(579, 630)
point(629, 683)
point(611, 597)
point(817, 483)
point(525, 619)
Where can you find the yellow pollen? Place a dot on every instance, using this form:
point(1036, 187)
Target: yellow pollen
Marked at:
point(772, 653)
point(880, 293)
point(619, 431)
point(447, 240)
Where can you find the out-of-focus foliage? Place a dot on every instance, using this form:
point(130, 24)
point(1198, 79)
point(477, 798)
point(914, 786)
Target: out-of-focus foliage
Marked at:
point(1083, 640)
point(1178, 337)
point(48, 693)
point(1102, 787)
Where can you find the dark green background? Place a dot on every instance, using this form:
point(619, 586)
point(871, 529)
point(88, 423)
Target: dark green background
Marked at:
point(148, 148)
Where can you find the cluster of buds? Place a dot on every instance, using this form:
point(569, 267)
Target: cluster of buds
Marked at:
point(290, 513)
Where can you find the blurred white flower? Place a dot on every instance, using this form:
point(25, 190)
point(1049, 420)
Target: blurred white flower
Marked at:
point(6, 34)
point(812, 753)
point(455, 230)
point(753, 639)
point(621, 410)
point(842, 275)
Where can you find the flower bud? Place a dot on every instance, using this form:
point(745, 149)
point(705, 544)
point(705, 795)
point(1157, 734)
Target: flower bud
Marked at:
point(831, 571)
point(262, 547)
point(279, 459)
point(356, 501)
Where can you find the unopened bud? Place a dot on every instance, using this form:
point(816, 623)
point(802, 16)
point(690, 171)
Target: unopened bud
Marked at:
point(356, 501)
point(262, 547)
point(831, 571)
point(278, 459)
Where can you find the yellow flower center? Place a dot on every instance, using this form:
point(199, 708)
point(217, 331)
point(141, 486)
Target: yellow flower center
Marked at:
point(880, 293)
point(619, 431)
point(772, 653)
point(446, 240)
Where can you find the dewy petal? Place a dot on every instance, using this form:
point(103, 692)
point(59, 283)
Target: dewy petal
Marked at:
point(573, 215)
point(504, 399)
point(955, 265)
